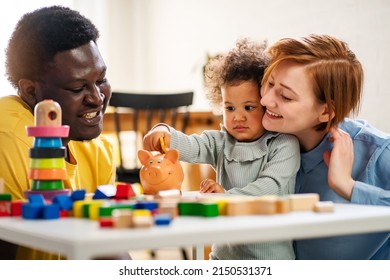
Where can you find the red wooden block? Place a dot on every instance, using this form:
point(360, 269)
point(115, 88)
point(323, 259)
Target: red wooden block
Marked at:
point(124, 191)
point(106, 222)
point(64, 213)
point(5, 208)
point(16, 208)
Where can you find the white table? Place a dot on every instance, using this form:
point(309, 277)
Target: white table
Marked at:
point(79, 238)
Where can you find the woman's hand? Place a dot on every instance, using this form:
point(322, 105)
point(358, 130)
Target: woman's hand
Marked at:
point(210, 186)
point(340, 162)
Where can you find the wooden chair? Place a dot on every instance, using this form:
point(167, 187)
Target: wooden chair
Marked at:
point(146, 111)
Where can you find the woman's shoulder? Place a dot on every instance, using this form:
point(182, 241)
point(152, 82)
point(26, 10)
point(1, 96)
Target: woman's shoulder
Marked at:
point(362, 130)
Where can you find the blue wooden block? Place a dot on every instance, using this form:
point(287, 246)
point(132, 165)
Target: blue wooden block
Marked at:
point(104, 192)
point(51, 211)
point(63, 201)
point(37, 199)
point(148, 205)
point(162, 219)
point(32, 211)
point(78, 195)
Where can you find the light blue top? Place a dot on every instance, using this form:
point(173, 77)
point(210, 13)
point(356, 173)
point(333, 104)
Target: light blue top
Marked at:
point(262, 167)
point(371, 170)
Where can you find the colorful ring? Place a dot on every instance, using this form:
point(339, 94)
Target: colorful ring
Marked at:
point(48, 174)
point(47, 152)
point(44, 163)
point(48, 131)
point(47, 185)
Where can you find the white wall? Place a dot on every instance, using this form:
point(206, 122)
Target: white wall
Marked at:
point(175, 35)
point(161, 45)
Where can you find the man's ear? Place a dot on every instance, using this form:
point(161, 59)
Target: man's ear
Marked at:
point(326, 114)
point(27, 91)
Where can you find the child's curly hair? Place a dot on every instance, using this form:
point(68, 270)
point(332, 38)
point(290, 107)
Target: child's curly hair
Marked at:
point(246, 62)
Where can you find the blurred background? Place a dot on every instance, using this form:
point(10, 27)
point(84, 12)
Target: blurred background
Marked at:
point(162, 45)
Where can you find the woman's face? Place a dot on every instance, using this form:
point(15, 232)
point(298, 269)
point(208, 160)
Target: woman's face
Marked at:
point(291, 106)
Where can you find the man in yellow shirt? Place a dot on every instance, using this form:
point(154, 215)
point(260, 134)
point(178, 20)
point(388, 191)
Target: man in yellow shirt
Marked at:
point(52, 54)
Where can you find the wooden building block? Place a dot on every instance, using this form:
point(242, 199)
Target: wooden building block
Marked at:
point(106, 222)
point(303, 201)
point(32, 211)
point(142, 218)
point(5, 197)
point(78, 195)
point(122, 218)
point(324, 207)
point(106, 209)
point(239, 207)
point(149, 205)
point(51, 211)
point(264, 205)
point(5, 208)
point(168, 206)
point(63, 201)
point(162, 219)
point(104, 192)
point(283, 205)
point(203, 209)
point(124, 191)
point(169, 194)
point(16, 208)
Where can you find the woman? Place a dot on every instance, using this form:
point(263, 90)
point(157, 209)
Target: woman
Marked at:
point(309, 89)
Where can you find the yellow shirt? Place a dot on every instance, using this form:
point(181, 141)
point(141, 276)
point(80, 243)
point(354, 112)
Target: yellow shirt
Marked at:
point(93, 162)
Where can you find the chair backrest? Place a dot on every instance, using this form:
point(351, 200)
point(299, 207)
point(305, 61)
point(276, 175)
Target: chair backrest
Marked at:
point(148, 109)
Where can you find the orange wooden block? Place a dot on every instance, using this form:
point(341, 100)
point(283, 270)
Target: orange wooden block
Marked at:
point(283, 205)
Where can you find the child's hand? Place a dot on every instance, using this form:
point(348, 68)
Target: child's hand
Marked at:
point(210, 186)
point(152, 142)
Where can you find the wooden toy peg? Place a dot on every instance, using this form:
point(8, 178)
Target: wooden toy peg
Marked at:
point(48, 113)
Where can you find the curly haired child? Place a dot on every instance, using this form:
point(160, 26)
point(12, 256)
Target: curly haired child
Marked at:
point(247, 159)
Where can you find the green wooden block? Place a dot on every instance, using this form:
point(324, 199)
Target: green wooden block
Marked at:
point(202, 209)
point(106, 210)
point(5, 197)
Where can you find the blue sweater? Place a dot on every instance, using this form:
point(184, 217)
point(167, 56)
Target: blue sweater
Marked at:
point(371, 170)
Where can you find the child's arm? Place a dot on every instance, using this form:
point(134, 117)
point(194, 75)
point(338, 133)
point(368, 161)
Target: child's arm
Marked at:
point(151, 141)
point(210, 186)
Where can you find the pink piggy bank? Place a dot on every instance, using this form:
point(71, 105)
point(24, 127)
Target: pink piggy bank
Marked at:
point(160, 172)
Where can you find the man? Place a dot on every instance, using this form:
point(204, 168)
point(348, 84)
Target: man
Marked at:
point(52, 54)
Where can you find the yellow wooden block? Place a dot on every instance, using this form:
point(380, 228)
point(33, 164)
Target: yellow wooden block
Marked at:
point(94, 209)
point(222, 206)
point(324, 207)
point(303, 201)
point(142, 212)
point(78, 211)
point(142, 221)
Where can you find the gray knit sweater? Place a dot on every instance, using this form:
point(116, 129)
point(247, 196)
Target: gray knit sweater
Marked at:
point(262, 167)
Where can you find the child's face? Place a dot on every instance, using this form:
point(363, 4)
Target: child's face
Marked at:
point(242, 111)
